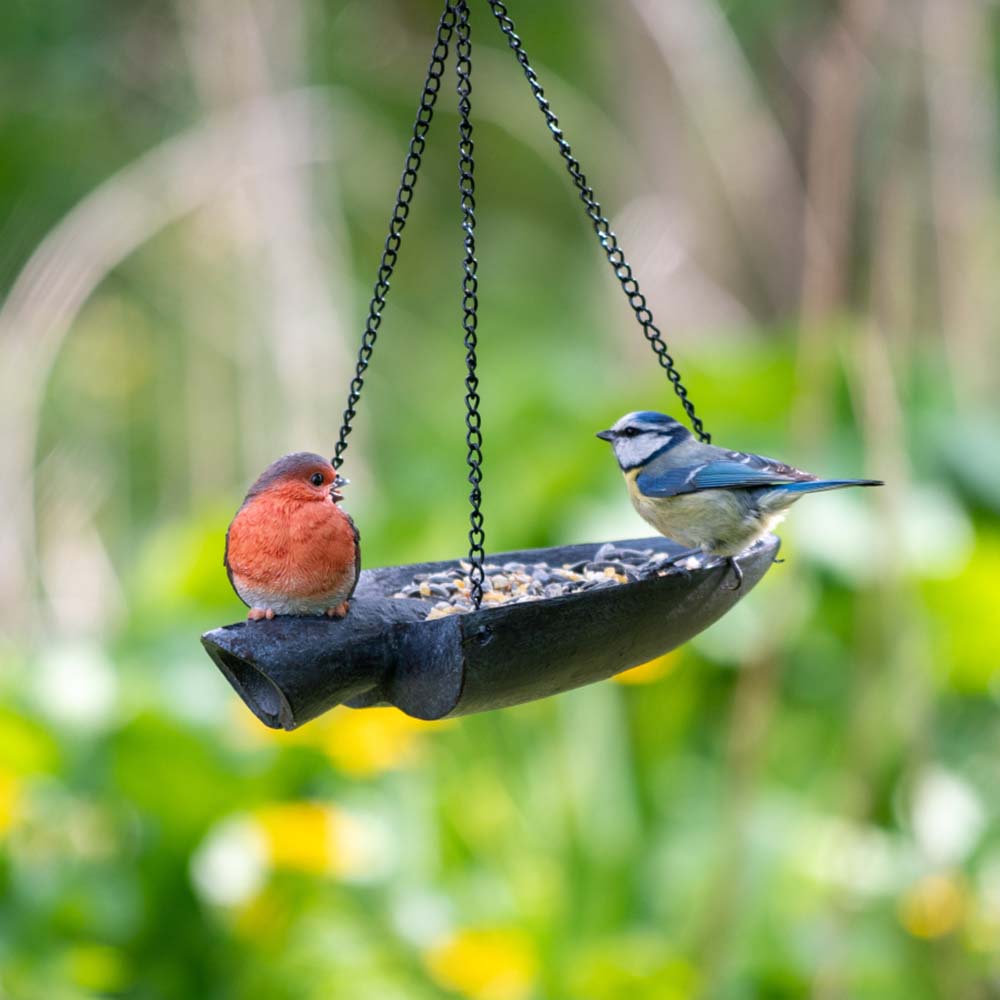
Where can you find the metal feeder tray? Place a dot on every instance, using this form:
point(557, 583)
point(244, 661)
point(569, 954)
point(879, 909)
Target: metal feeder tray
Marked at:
point(290, 670)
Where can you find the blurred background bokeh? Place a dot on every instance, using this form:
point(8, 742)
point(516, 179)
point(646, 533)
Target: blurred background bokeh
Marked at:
point(801, 802)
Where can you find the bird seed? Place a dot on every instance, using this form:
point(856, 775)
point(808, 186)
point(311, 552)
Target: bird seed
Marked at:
point(516, 582)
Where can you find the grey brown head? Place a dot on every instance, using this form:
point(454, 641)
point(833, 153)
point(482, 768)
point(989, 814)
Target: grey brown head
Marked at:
point(305, 469)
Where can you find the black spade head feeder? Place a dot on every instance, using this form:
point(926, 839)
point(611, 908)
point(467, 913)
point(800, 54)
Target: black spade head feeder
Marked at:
point(394, 647)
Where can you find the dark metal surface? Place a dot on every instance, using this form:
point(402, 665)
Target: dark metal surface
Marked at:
point(607, 237)
point(290, 670)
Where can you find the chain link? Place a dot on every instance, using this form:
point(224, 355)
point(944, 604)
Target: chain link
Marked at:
point(470, 300)
point(608, 240)
point(400, 213)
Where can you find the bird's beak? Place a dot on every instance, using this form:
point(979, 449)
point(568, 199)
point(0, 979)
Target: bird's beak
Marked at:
point(335, 495)
point(605, 435)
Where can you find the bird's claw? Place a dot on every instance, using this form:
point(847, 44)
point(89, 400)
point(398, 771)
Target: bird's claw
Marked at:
point(339, 611)
point(259, 614)
point(737, 572)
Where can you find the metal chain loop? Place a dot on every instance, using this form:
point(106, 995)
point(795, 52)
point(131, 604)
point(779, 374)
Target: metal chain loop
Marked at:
point(608, 240)
point(400, 213)
point(470, 300)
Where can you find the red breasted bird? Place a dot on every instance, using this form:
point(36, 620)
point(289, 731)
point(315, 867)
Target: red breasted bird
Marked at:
point(290, 550)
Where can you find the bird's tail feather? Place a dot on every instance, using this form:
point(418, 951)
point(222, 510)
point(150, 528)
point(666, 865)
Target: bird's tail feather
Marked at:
point(821, 485)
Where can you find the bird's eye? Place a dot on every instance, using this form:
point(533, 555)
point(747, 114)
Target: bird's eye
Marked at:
point(316, 479)
point(630, 432)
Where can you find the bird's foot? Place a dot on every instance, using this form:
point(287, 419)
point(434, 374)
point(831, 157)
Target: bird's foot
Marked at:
point(777, 561)
point(259, 614)
point(737, 572)
point(339, 611)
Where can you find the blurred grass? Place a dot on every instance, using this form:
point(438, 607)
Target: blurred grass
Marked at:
point(801, 801)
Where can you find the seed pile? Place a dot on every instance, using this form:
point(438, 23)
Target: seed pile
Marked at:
point(517, 582)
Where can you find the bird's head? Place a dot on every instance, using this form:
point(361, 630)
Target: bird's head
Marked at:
point(302, 477)
point(640, 436)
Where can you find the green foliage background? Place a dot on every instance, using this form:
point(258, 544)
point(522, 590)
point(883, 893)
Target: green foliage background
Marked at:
point(803, 801)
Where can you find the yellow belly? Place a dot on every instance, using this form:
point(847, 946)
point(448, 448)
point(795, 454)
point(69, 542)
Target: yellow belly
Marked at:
point(713, 520)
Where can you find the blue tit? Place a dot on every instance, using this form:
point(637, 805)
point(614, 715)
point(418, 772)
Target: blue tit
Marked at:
point(712, 500)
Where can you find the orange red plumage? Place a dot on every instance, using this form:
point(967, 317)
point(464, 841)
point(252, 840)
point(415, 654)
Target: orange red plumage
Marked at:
point(290, 550)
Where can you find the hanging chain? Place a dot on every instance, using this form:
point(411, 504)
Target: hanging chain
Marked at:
point(470, 300)
point(608, 240)
point(400, 213)
point(455, 19)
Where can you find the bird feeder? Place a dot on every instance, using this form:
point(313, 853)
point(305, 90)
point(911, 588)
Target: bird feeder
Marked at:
point(387, 650)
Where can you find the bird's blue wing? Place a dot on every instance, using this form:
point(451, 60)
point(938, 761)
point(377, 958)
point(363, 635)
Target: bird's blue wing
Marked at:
point(719, 475)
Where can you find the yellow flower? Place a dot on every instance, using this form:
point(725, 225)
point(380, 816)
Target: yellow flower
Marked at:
point(318, 839)
point(933, 907)
point(10, 793)
point(485, 964)
point(369, 741)
point(359, 742)
point(650, 671)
